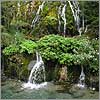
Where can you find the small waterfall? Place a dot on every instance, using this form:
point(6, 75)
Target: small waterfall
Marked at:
point(63, 17)
point(81, 83)
point(71, 6)
point(36, 78)
point(76, 11)
point(59, 14)
point(37, 14)
point(39, 65)
point(83, 22)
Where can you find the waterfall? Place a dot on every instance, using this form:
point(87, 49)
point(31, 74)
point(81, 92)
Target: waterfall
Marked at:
point(37, 14)
point(37, 75)
point(39, 64)
point(59, 14)
point(75, 11)
point(72, 9)
point(83, 22)
point(81, 83)
point(63, 16)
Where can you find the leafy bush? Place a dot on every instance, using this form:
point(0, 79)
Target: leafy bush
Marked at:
point(10, 50)
point(50, 20)
point(25, 46)
point(66, 50)
point(5, 39)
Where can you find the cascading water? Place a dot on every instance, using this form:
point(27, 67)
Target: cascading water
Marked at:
point(64, 18)
point(37, 14)
point(81, 83)
point(76, 11)
point(59, 14)
point(74, 5)
point(37, 76)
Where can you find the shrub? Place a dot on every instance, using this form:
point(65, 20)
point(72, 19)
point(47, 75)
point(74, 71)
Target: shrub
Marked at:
point(25, 46)
point(66, 50)
point(28, 46)
point(10, 50)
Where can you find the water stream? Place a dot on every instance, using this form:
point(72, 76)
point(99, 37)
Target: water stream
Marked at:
point(11, 89)
point(74, 5)
point(81, 83)
point(36, 78)
point(63, 16)
point(37, 14)
point(59, 14)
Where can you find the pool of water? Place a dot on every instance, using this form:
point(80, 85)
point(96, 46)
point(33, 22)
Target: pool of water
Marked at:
point(11, 89)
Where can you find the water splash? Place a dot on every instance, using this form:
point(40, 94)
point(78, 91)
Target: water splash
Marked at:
point(36, 78)
point(81, 83)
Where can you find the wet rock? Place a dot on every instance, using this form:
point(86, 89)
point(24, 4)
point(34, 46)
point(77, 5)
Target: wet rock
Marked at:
point(3, 77)
point(31, 64)
point(94, 83)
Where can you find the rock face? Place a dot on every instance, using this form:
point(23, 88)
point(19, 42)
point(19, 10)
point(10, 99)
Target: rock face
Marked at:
point(63, 74)
point(31, 64)
point(94, 83)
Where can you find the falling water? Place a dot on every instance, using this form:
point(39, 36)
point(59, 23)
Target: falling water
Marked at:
point(84, 27)
point(39, 64)
point(64, 18)
point(81, 83)
point(37, 75)
point(71, 6)
point(76, 11)
point(37, 14)
point(83, 22)
point(59, 14)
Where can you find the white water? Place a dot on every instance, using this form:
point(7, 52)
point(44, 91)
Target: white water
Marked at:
point(76, 12)
point(74, 5)
point(37, 14)
point(64, 18)
point(72, 9)
point(59, 14)
point(81, 83)
point(35, 75)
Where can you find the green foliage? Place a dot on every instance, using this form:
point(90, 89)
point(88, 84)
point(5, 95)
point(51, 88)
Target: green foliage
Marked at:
point(69, 51)
point(19, 23)
point(50, 20)
point(10, 50)
point(90, 10)
point(66, 50)
point(5, 39)
point(25, 46)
